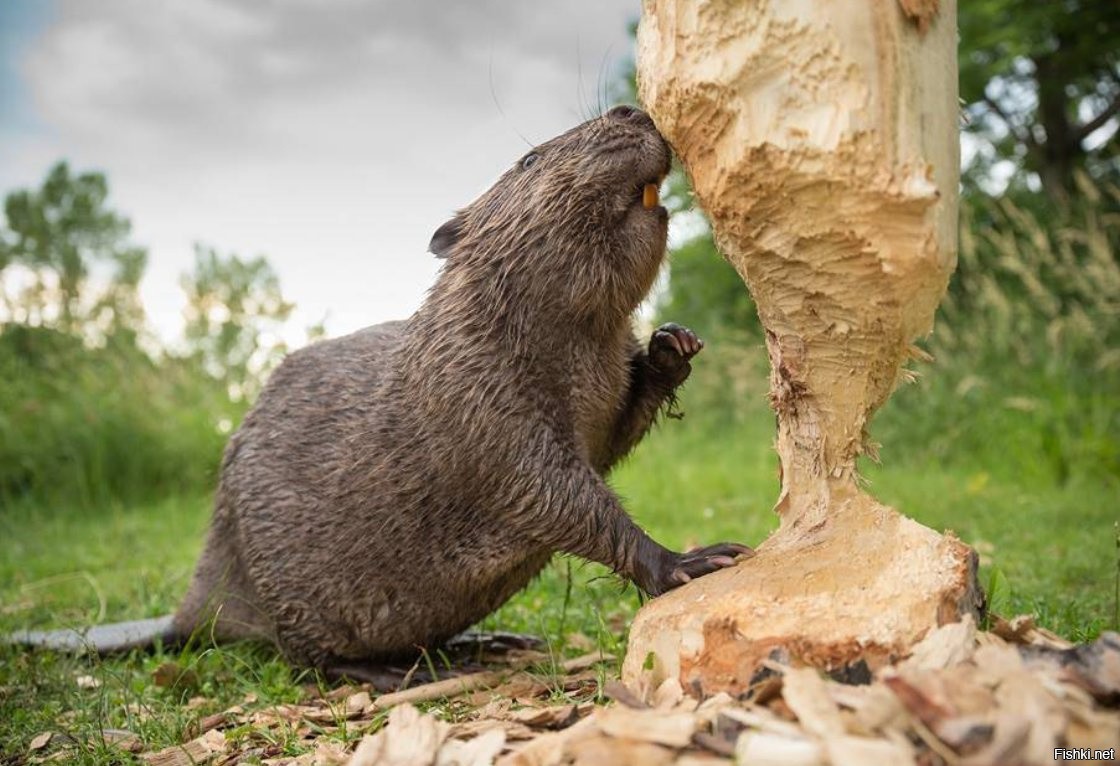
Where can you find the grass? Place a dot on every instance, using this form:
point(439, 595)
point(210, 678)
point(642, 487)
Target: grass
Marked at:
point(1012, 441)
point(1049, 547)
point(85, 426)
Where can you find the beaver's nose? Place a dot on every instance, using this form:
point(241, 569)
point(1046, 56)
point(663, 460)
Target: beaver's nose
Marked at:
point(626, 113)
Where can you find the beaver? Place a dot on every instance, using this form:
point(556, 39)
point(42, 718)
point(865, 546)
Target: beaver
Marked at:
point(393, 487)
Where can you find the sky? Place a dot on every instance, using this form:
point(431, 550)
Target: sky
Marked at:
point(332, 137)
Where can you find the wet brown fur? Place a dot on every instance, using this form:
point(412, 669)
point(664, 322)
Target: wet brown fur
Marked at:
point(393, 487)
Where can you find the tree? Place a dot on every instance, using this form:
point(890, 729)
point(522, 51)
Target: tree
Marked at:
point(1042, 86)
point(1009, 53)
point(235, 309)
point(831, 184)
point(59, 234)
point(702, 286)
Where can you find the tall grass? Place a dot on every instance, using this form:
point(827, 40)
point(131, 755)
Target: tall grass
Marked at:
point(84, 425)
point(1026, 377)
point(1026, 370)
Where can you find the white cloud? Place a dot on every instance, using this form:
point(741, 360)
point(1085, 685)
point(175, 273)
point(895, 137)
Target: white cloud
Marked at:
point(332, 137)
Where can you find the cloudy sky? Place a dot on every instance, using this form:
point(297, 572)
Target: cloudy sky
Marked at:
point(333, 137)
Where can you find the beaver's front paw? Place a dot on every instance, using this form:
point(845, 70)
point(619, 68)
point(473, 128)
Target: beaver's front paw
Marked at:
point(670, 348)
point(666, 570)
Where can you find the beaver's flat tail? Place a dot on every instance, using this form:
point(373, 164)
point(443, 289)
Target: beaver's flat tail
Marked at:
point(113, 638)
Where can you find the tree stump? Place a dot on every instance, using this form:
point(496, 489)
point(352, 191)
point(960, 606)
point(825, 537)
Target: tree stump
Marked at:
point(821, 139)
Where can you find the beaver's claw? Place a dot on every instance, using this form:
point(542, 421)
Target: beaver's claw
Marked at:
point(670, 348)
point(676, 569)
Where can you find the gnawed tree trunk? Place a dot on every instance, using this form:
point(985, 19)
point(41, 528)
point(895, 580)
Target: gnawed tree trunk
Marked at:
point(821, 139)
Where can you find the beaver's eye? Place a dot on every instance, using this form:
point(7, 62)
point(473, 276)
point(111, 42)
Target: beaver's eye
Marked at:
point(529, 160)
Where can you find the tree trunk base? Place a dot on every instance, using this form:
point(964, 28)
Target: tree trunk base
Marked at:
point(847, 595)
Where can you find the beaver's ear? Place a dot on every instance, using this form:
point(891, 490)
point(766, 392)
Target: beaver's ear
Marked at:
point(446, 236)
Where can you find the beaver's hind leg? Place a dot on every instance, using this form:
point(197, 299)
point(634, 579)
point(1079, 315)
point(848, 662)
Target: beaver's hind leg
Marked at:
point(221, 601)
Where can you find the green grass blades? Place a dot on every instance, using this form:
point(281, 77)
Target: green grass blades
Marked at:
point(1047, 547)
point(62, 565)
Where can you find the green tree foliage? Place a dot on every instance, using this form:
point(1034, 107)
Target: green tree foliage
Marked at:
point(1042, 86)
point(705, 291)
point(88, 415)
point(1026, 370)
point(60, 234)
point(85, 426)
point(234, 311)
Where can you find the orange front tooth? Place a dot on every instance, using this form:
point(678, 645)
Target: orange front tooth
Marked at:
point(650, 196)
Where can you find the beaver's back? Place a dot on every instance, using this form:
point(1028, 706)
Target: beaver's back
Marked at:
point(349, 537)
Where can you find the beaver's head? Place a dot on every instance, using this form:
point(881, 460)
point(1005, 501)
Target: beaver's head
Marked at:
point(574, 225)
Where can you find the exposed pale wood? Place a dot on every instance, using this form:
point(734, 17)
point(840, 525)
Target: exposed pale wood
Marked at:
point(821, 140)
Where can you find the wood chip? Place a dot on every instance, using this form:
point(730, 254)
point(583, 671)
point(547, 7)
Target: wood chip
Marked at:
point(553, 717)
point(1095, 730)
point(341, 692)
point(714, 743)
point(875, 708)
point(994, 663)
point(700, 759)
point(410, 738)
point(448, 687)
point(943, 647)
point(480, 751)
point(586, 661)
point(656, 726)
point(495, 708)
point(760, 748)
point(708, 710)
point(581, 684)
point(513, 731)
point(327, 753)
point(550, 749)
point(202, 749)
point(122, 739)
point(605, 750)
point(356, 704)
point(966, 734)
point(215, 721)
point(1023, 695)
point(862, 751)
point(668, 694)
point(805, 692)
point(1009, 740)
point(917, 702)
point(763, 720)
point(960, 688)
point(1023, 630)
point(1093, 667)
point(368, 751)
point(623, 695)
point(1015, 629)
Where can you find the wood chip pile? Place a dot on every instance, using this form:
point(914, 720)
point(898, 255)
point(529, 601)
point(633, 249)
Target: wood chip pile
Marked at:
point(1010, 696)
